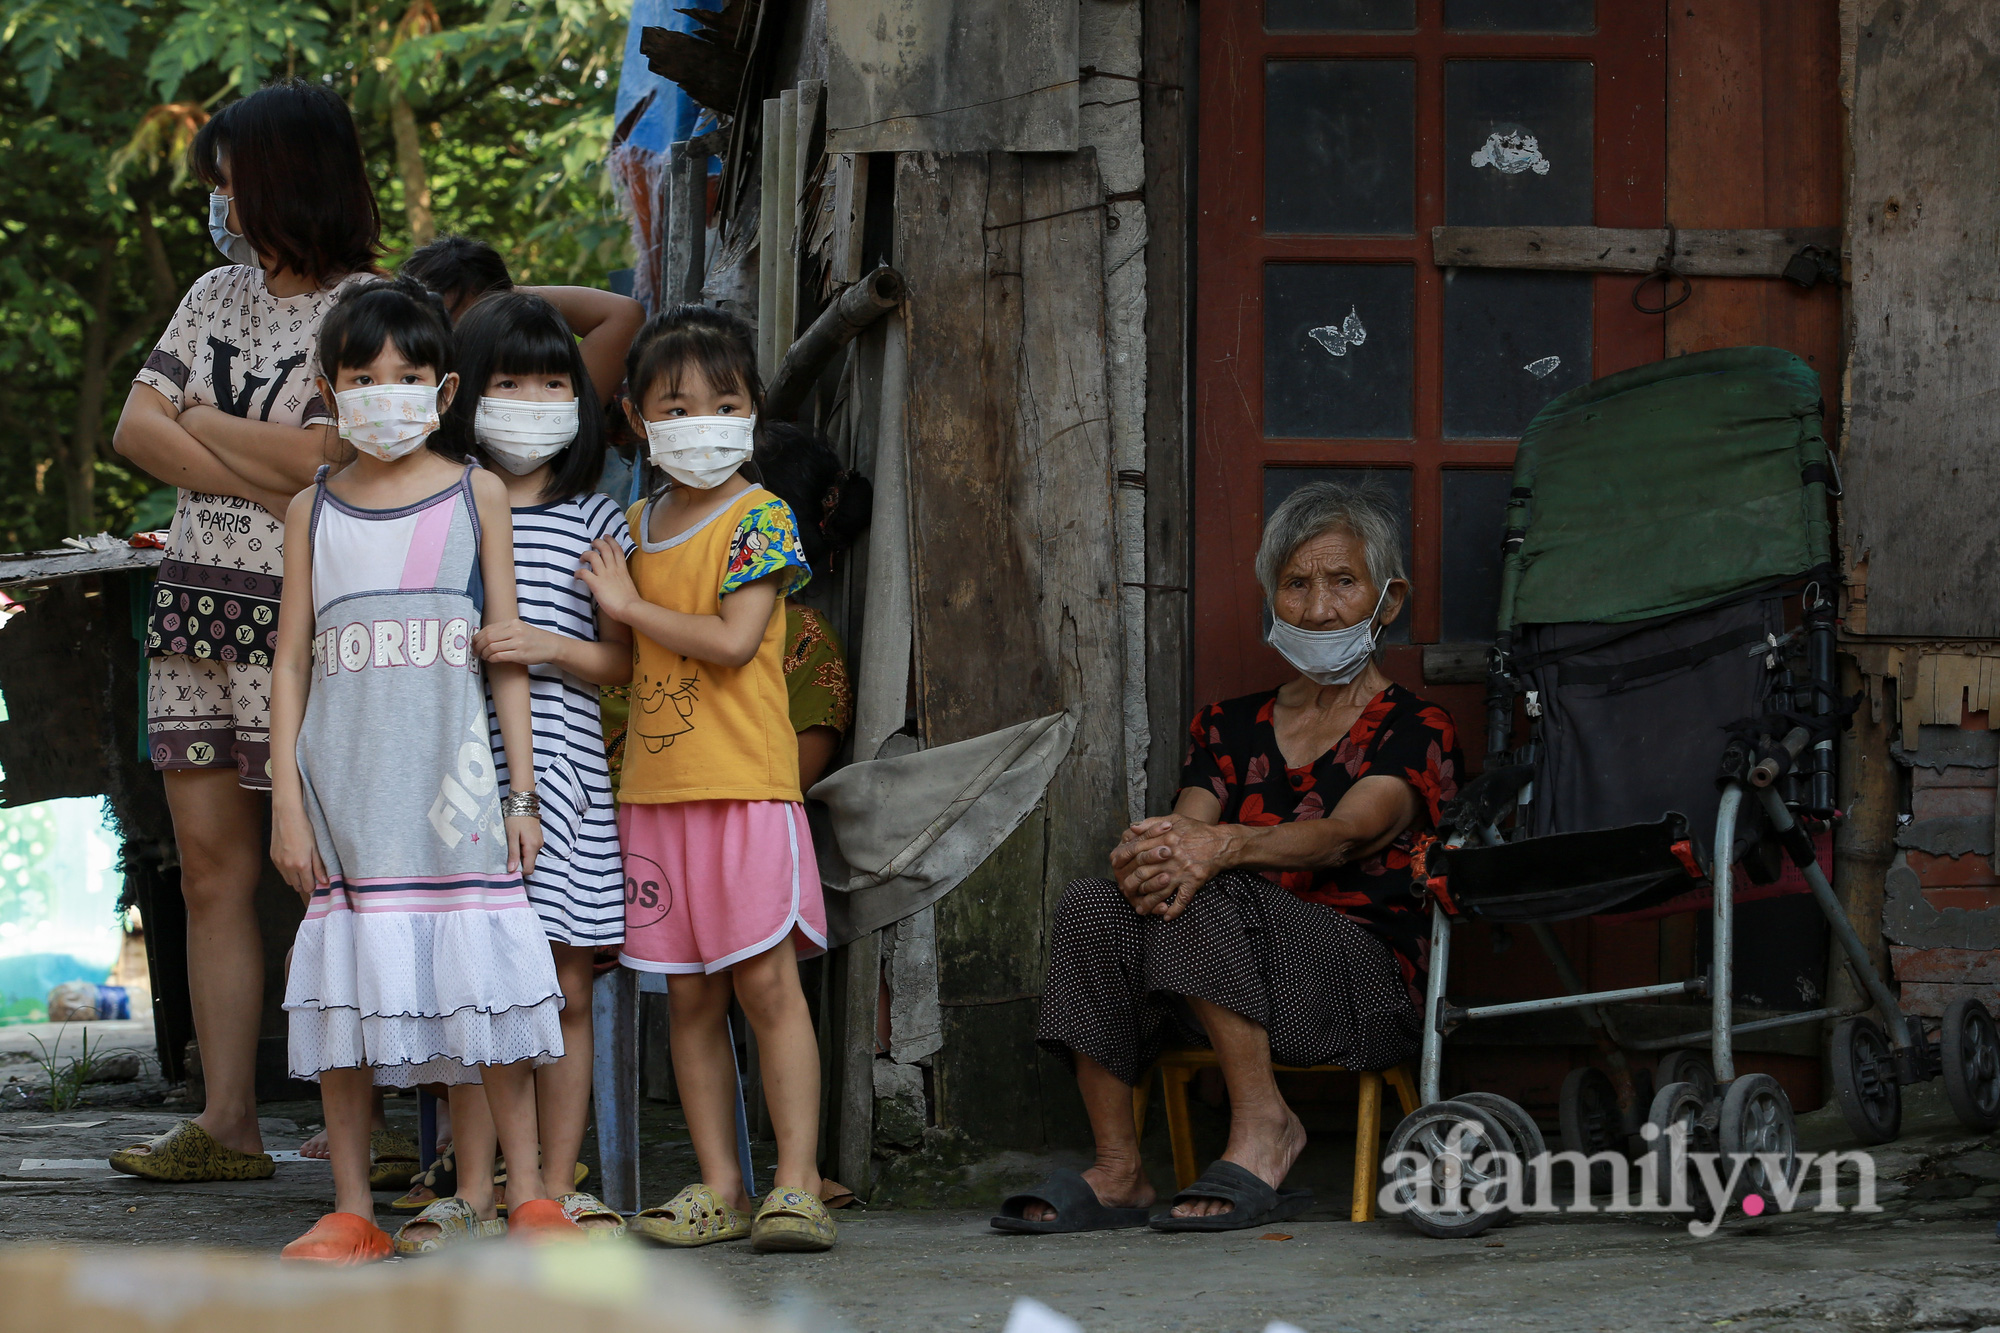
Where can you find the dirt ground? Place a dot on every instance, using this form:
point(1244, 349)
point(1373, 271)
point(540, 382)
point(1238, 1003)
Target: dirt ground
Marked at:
point(1925, 1262)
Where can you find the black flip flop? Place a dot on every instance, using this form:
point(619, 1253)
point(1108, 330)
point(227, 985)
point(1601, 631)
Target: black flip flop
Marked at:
point(1077, 1209)
point(1253, 1203)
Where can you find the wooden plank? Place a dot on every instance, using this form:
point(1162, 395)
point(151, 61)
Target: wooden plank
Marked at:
point(990, 945)
point(769, 208)
point(1455, 664)
point(656, 1059)
point(854, 1154)
point(614, 1085)
point(47, 566)
point(1754, 141)
point(850, 203)
point(1016, 611)
point(988, 1075)
point(685, 261)
point(1167, 63)
point(1738, 253)
point(951, 76)
point(785, 234)
point(1920, 464)
point(1864, 843)
point(915, 1023)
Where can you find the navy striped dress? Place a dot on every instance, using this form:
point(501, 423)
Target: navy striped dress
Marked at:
point(579, 880)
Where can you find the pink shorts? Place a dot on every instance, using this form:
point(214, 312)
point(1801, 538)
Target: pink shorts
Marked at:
point(711, 883)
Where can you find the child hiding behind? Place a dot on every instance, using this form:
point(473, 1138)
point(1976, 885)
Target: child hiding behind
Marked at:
point(722, 893)
point(420, 959)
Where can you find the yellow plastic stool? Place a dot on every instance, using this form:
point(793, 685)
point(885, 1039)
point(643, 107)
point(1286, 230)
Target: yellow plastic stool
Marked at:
point(1177, 1067)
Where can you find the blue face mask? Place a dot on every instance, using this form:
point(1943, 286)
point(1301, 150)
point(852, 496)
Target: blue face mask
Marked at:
point(234, 248)
point(1327, 657)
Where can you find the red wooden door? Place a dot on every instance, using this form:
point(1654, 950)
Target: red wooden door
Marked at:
point(1333, 136)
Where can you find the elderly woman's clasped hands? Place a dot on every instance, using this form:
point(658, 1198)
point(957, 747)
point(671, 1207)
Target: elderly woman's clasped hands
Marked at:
point(1160, 863)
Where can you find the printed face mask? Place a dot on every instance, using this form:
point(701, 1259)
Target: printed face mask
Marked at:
point(702, 452)
point(234, 248)
point(386, 421)
point(1330, 656)
point(523, 435)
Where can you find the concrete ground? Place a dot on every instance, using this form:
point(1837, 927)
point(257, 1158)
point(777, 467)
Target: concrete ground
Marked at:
point(1926, 1262)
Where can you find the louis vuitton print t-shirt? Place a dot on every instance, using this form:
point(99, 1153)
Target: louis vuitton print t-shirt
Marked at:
point(231, 345)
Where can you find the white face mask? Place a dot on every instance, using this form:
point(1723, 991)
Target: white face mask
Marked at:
point(701, 452)
point(1328, 656)
point(234, 248)
point(522, 435)
point(387, 421)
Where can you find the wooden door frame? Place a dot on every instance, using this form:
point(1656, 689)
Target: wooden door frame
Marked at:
point(1230, 451)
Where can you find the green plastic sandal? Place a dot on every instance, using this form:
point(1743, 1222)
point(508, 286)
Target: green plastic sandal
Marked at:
point(695, 1216)
point(794, 1221)
point(456, 1224)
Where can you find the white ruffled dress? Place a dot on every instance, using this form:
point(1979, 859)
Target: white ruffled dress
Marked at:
point(422, 959)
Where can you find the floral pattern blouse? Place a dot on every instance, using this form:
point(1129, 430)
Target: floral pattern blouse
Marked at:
point(815, 672)
point(1233, 752)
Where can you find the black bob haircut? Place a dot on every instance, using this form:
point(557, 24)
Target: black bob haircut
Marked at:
point(459, 268)
point(401, 310)
point(295, 170)
point(832, 504)
point(519, 333)
point(716, 343)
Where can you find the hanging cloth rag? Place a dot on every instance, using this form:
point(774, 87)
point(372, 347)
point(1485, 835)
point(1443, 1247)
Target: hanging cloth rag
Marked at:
point(910, 828)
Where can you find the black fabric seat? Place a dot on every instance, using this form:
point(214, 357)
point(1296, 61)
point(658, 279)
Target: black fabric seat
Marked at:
point(1568, 875)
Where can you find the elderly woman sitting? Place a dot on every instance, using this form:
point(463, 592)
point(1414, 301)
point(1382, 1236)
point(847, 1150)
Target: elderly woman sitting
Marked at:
point(1273, 915)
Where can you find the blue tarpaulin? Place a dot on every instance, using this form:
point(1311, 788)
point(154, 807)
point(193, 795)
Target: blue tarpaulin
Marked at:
point(672, 114)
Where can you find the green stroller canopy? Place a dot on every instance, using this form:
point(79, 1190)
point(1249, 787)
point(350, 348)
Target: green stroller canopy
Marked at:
point(1667, 487)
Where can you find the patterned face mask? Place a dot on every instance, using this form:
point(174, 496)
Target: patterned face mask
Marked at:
point(521, 433)
point(700, 452)
point(387, 421)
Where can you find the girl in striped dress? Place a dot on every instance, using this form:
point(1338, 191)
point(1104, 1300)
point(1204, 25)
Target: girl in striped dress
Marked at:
point(420, 959)
point(528, 414)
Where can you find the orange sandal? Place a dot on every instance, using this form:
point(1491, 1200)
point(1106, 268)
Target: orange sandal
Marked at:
point(542, 1219)
point(341, 1238)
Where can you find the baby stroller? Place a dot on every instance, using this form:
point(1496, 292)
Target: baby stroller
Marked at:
point(1680, 736)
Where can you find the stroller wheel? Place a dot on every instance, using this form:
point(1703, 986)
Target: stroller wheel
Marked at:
point(1520, 1127)
point(1970, 1045)
point(1685, 1066)
point(1679, 1104)
point(1757, 1122)
point(1864, 1080)
point(1443, 1176)
point(1591, 1122)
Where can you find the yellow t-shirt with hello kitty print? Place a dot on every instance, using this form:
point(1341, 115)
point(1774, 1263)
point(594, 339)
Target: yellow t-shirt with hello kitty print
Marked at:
point(699, 731)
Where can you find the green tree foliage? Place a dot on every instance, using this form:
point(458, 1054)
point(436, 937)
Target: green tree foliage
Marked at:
point(489, 117)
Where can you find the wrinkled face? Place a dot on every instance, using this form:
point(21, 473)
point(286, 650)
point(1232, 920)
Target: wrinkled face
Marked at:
point(1325, 585)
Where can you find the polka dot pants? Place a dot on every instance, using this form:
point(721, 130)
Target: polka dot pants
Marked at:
point(1326, 990)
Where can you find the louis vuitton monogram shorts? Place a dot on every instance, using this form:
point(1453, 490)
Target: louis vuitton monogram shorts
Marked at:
point(202, 713)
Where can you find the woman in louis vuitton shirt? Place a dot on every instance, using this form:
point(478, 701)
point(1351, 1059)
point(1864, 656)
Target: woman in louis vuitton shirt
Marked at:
point(224, 409)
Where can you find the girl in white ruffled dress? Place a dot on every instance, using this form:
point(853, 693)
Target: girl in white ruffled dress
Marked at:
point(420, 959)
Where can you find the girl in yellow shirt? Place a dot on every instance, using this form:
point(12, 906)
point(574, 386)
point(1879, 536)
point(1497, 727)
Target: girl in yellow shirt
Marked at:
point(721, 887)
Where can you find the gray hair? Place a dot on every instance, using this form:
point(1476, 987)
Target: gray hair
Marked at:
point(1321, 507)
